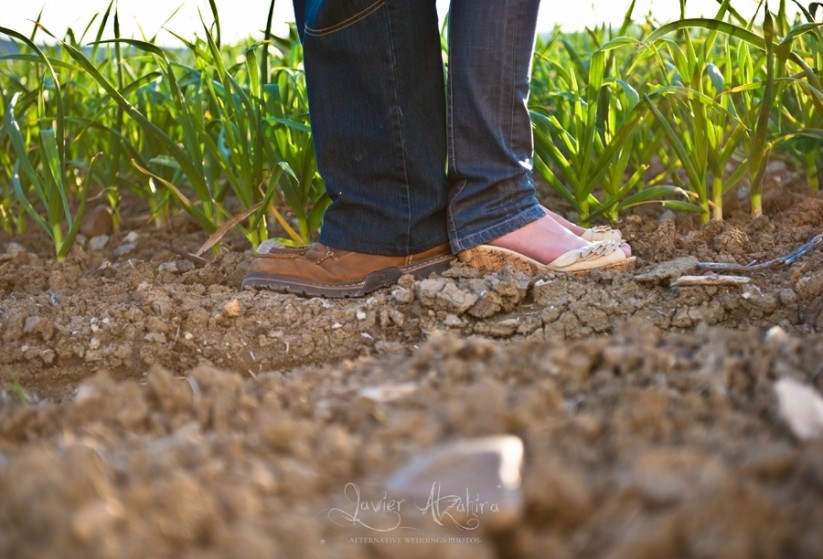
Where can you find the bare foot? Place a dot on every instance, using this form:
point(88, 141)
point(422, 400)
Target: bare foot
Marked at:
point(578, 230)
point(543, 240)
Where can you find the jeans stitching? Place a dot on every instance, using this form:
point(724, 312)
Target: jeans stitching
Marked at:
point(513, 77)
point(450, 109)
point(452, 146)
point(347, 22)
point(453, 232)
point(399, 126)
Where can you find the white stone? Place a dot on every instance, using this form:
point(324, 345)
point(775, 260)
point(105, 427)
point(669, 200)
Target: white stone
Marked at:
point(801, 407)
point(99, 242)
point(388, 392)
point(233, 309)
point(471, 485)
point(125, 249)
point(269, 246)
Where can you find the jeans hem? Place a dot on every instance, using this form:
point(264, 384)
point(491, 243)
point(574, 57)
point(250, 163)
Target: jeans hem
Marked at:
point(513, 223)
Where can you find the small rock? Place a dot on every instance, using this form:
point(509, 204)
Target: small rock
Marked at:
point(176, 267)
point(667, 215)
point(456, 299)
point(155, 338)
point(489, 304)
point(396, 317)
point(505, 328)
point(407, 281)
point(97, 222)
point(757, 299)
point(468, 484)
point(184, 266)
point(98, 242)
point(669, 270)
point(428, 289)
point(233, 309)
point(801, 408)
point(444, 294)
point(403, 295)
point(31, 323)
point(511, 285)
point(48, 356)
point(775, 167)
point(551, 293)
point(38, 325)
point(776, 336)
point(810, 286)
point(14, 249)
point(86, 391)
point(453, 321)
point(388, 392)
point(787, 296)
point(124, 249)
point(14, 253)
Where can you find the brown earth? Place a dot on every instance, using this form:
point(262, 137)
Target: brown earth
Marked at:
point(151, 408)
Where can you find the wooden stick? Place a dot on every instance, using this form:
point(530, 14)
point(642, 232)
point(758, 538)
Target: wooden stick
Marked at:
point(711, 279)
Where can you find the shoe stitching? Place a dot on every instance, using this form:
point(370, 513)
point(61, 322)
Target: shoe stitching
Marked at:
point(328, 254)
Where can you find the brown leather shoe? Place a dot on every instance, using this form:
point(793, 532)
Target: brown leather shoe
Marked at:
point(331, 272)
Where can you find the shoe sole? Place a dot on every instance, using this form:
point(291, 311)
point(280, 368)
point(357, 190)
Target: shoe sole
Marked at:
point(373, 281)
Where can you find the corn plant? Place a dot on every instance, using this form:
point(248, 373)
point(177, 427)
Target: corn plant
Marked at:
point(698, 118)
point(210, 138)
point(303, 189)
point(41, 174)
point(231, 130)
point(585, 136)
point(800, 111)
point(11, 219)
point(223, 133)
point(756, 98)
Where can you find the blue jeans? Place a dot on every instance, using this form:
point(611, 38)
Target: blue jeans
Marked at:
point(409, 162)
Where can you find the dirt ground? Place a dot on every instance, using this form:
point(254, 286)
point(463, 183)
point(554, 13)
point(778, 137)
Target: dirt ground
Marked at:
point(151, 408)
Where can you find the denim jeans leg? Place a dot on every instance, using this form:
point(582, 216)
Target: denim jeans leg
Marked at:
point(374, 72)
point(491, 193)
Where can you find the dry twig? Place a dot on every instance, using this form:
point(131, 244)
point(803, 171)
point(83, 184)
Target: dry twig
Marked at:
point(710, 279)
